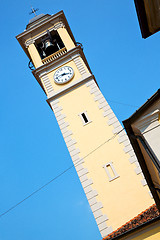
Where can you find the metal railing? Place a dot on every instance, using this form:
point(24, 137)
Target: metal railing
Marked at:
point(54, 55)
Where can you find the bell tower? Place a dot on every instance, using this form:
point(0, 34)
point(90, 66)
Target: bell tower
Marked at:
point(99, 147)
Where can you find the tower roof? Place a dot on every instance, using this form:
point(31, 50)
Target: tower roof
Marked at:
point(37, 19)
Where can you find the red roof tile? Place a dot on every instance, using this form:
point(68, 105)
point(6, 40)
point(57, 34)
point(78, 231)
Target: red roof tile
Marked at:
point(144, 217)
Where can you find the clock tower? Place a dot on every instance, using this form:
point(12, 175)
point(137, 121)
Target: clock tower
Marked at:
point(99, 147)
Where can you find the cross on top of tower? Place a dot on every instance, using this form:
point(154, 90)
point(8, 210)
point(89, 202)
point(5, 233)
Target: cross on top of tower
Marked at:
point(34, 11)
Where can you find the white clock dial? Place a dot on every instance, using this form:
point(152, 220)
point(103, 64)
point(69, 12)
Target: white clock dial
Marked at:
point(63, 75)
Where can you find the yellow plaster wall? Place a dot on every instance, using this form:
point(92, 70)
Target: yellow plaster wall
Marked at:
point(66, 38)
point(150, 233)
point(124, 197)
point(36, 59)
point(153, 235)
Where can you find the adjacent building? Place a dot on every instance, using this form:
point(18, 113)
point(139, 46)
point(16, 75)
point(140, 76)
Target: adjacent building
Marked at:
point(143, 129)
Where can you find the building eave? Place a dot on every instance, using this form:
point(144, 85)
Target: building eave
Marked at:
point(143, 108)
point(132, 231)
point(133, 137)
point(121, 233)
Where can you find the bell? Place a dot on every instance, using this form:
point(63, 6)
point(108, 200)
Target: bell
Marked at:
point(48, 47)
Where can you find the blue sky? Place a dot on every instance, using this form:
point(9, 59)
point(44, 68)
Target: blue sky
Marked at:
point(32, 150)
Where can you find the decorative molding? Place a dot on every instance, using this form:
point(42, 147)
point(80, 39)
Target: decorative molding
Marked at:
point(150, 194)
point(57, 110)
point(97, 206)
point(76, 157)
point(92, 201)
point(83, 178)
point(74, 152)
point(102, 219)
point(143, 181)
point(106, 231)
point(97, 214)
point(123, 138)
point(63, 125)
point(81, 171)
point(55, 27)
point(29, 42)
point(47, 84)
point(87, 190)
point(147, 120)
point(86, 183)
point(70, 143)
point(128, 148)
point(133, 159)
point(138, 170)
point(113, 121)
point(79, 65)
point(58, 25)
point(98, 97)
point(102, 226)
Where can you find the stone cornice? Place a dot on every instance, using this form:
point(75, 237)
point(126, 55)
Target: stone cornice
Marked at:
point(143, 109)
point(55, 27)
point(147, 120)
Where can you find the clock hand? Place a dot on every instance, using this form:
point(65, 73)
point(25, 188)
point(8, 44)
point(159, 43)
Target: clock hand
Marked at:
point(64, 74)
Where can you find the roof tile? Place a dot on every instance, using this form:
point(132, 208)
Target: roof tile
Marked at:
point(145, 216)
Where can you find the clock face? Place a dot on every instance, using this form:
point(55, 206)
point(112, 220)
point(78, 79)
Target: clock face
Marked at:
point(63, 75)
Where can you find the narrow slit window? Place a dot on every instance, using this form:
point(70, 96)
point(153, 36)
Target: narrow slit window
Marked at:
point(84, 117)
point(110, 170)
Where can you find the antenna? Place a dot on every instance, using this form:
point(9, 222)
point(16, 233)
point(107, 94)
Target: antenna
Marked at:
point(34, 11)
